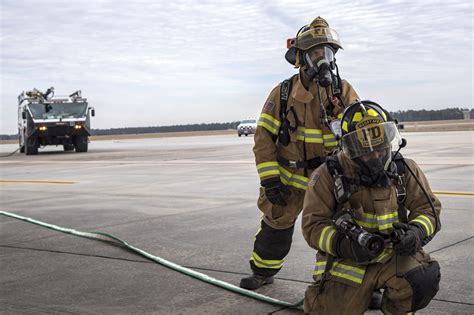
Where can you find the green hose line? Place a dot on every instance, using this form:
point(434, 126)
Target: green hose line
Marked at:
point(104, 237)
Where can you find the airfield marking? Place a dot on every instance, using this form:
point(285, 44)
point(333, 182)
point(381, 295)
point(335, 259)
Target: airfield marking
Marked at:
point(41, 182)
point(454, 193)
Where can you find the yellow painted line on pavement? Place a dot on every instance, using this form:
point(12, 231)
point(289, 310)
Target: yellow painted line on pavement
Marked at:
point(454, 193)
point(41, 182)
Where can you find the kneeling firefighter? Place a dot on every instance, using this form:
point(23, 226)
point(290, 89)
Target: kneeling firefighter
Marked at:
point(293, 138)
point(368, 212)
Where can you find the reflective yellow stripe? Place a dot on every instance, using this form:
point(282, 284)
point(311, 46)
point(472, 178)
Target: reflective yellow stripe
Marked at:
point(426, 222)
point(291, 179)
point(380, 222)
point(345, 276)
point(347, 272)
point(267, 169)
point(313, 140)
point(340, 270)
point(325, 240)
point(266, 164)
point(339, 116)
point(386, 216)
point(367, 225)
point(309, 135)
point(268, 127)
point(386, 226)
point(270, 123)
point(258, 231)
point(382, 255)
point(312, 131)
point(350, 268)
point(269, 173)
point(319, 268)
point(266, 263)
point(272, 119)
point(298, 181)
point(329, 140)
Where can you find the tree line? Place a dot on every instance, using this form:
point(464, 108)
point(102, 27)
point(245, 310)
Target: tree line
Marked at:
point(423, 115)
point(163, 129)
point(401, 116)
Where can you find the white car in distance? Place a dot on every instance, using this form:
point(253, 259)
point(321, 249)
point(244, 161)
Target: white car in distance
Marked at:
point(246, 127)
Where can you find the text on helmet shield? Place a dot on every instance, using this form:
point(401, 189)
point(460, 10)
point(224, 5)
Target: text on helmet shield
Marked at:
point(370, 132)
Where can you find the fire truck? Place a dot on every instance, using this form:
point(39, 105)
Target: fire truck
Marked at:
point(46, 119)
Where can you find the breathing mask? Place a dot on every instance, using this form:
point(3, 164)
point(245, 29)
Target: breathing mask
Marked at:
point(320, 62)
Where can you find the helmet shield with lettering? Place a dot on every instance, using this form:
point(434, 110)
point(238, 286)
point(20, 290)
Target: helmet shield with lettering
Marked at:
point(371, 134)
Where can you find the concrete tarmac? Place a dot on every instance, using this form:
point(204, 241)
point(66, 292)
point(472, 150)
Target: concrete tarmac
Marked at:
point(192, 201)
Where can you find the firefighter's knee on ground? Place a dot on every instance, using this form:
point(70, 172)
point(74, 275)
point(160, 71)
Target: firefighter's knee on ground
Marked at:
point(424, 281)
point(413, 290)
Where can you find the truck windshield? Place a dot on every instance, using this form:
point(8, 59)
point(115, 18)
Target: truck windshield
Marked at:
point(58, 110)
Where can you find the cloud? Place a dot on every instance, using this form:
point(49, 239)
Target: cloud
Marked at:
point(203, 61)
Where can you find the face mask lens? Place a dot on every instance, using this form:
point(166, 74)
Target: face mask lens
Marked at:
point(321, 53)
point(335, 127)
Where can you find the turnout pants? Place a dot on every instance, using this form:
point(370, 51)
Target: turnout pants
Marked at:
point(273, 239)
point(409, 283)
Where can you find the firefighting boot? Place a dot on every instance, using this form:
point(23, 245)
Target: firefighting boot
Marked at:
point(255, 281)
point(376, 300)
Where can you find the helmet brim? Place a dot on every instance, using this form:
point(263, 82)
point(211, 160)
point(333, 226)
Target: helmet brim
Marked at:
point(290, 54)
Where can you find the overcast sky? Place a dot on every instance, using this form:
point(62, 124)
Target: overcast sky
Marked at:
point(148, 63)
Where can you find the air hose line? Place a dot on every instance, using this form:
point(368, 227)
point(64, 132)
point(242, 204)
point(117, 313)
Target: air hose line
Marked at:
point(110, 239)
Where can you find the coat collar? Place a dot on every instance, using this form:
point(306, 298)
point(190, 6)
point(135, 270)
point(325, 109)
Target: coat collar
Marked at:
point(350, 167)
point(299, 92)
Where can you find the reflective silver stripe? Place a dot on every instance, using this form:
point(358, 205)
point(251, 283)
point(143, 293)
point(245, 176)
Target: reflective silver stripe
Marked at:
point(351, 273)
point(329, 140)
point(309, 135)
point(269, 123)
point(294, 180)
point(380, 222)
point(299, 181)
point(347, 272)
point(284, 176)
point(319, 268)
point(268, 169)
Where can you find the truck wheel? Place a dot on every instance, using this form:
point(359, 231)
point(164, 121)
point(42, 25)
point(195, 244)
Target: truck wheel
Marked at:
point(81, 143)
point(31, 146)
point(22, 147)
point(68, 147)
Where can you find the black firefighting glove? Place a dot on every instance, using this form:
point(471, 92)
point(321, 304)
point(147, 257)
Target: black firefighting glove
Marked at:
point(345, 247)
point(276, 192)
point(407, 238)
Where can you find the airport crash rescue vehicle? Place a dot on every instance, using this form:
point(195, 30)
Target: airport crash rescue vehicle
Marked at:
point(44, 119)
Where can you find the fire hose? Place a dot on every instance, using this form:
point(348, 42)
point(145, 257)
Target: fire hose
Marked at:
point(110, 239)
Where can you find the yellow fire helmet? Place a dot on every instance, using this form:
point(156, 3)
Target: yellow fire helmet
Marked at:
point(316, 33)
point(367, 127)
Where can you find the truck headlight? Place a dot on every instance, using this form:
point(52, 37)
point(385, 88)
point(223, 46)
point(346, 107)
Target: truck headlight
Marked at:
point(43, 128)
point(77, 127)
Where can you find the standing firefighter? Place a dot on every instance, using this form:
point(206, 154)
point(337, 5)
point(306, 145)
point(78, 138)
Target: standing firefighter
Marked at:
point(368, 212)
point(293, 137)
